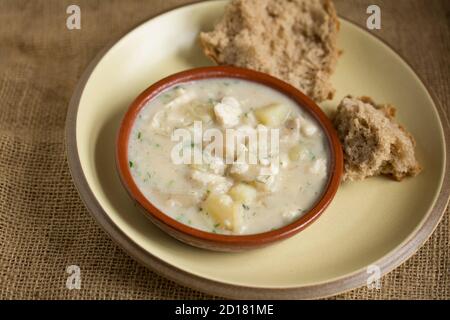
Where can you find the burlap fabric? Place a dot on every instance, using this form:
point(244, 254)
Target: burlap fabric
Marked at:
point(44, 226)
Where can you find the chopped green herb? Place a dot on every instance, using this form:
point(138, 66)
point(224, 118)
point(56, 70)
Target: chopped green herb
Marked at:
point(157, 145)
point(131, 164)
point(189, 221)
point(311, 155)
point(166, 97)
point(139, 135)
point(200, 209)
point(246, 207)
point(217, 225)
point(214, 231)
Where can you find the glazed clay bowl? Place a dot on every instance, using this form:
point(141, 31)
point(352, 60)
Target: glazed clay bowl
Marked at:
point(214, 241)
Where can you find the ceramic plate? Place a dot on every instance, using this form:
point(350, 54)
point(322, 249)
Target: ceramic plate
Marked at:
point(374, 222)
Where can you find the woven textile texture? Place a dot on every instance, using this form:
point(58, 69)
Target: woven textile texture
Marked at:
point(44, 226)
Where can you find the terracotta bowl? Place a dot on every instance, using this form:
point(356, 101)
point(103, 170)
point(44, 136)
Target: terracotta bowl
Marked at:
point(213, 241)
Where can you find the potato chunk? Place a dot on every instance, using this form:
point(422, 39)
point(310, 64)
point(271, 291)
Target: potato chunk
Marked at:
point(272, 115)
point(243, 193)
point(226, 212)
point(295, 153)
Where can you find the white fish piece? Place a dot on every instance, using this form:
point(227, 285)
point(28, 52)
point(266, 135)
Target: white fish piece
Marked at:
point(307, 128)
point(183, 97)
point(228, 112)
point(214, 183)
point(319, 167)
point(266, 183)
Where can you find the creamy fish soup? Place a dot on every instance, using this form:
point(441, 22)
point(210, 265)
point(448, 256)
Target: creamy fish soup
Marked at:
point(269, 171)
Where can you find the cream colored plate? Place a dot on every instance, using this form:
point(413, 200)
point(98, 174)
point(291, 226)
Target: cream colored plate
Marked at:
point(377, 221)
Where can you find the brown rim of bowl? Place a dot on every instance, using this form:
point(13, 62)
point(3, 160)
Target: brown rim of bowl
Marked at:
point(253, 240)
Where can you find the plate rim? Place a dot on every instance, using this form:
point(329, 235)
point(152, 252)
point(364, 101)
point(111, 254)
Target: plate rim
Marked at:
point(321, 290)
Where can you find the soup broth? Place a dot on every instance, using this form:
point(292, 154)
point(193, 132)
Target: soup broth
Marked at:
point(226, 192)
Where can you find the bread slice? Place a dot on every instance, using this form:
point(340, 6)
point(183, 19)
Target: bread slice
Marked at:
point(373, 143)
point(294, 40)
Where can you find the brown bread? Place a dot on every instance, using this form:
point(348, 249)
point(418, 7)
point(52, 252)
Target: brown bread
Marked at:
point(373, 142)
point(294, 40)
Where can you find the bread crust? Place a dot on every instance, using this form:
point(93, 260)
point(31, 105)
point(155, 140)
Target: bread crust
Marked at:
point(295, 41)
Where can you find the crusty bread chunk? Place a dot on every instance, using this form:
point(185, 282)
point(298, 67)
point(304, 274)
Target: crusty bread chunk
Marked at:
point(373, 143)
point(294, 40)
